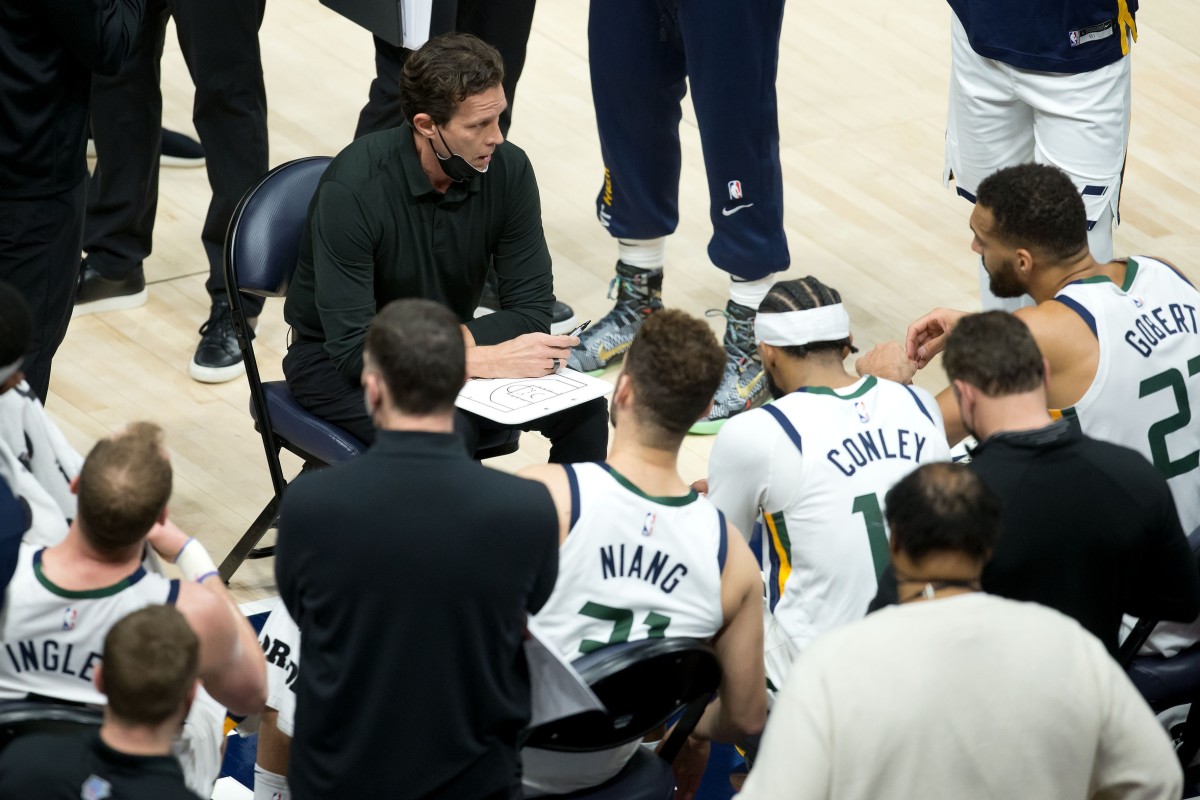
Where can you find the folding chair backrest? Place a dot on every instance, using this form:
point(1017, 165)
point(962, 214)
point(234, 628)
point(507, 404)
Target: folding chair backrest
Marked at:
point(21, 717)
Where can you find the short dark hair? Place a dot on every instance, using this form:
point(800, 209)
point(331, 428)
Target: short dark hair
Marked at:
point(803, 294)
point(943, 507)
point(150, 662)
point(445, 71)
point(124, 485)
point(16, 324)
point(676, 364)
point(417, 348)
point(1038, 207)
point(994, 352)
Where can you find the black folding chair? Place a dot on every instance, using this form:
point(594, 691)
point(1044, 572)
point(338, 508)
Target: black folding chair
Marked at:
point(642, 685)
point(21, 717)
point(261, 250)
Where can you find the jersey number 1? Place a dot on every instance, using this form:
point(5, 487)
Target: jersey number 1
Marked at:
point(622, 620)
point(868, 506)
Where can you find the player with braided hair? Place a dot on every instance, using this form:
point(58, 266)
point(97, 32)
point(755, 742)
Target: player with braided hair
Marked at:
point(816, 464)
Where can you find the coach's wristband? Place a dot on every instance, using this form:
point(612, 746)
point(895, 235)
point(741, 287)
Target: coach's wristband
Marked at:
point(193, 561)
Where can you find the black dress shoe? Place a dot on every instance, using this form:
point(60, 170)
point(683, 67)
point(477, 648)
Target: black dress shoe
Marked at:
point(562, 318)
point(179, 150)
point(97, 293)
point(218, 358)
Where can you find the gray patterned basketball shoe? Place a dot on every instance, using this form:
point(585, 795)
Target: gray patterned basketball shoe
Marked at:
point(639, 294)
point(744, 384)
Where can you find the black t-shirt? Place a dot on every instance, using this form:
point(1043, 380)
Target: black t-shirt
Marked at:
point(65, 767)
point(1090, 529)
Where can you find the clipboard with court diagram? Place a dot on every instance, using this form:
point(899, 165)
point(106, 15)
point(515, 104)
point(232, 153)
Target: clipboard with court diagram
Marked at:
point(513, 401)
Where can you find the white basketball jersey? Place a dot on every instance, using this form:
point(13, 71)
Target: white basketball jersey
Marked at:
point(1146, 393)
point(633, 566)
point(825, 542)
point(51, 639)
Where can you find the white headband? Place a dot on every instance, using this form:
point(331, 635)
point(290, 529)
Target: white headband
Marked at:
point(824, 324)
point(8, 371)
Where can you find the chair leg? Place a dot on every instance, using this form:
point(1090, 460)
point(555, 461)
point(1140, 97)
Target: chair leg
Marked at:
point(253, 535)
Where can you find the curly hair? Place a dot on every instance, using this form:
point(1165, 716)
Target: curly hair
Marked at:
point(676, 364)
point(1036, 206)
point(445, 71)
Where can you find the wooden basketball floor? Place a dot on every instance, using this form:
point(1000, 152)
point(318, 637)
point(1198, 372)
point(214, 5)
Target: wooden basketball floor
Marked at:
point(862, 95)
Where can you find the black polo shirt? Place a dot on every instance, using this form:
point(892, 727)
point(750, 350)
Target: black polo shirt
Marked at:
point(378, 231)
point(67, 767)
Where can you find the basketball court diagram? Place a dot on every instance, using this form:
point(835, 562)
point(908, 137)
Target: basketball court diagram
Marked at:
point(518, 394)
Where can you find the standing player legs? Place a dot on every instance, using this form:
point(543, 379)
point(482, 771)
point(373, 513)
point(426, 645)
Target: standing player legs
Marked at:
point(127, 130)
point(736, 110)
point(219, 39)
point(987, 128)
point(39, 255)
point(1081, 126)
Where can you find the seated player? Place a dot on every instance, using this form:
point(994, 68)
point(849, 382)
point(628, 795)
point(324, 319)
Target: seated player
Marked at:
point(63, 600)
point(149, 678)
point(637, 542)
point(280, 640)
point(36, 461)
point(1121, 338)
point(816, 465)
point(1090, 528)
point(956, 693)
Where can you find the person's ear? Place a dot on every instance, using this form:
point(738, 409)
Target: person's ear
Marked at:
point(162, 516)
point(623, 391)
point(75, 485)
point(98, 678)
point(1024, 262)
point(767, 354)
point(424, 125)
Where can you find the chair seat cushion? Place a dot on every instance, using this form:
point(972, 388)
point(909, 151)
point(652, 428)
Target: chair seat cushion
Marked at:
point(304, 431)
point(1167, 682)
point(645, 777)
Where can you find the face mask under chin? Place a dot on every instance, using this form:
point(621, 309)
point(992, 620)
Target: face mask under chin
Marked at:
point(454, 166)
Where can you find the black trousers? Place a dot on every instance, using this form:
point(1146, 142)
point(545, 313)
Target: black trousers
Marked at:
point(219, 40)
point(505, 26)
point(577, 434)
point(39, 256)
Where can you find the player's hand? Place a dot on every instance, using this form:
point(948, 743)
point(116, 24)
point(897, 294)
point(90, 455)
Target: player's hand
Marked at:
point(887, 360)
point(167, 539)
point(927, 336)
point(689, 766)
point(530, 355)
point(701, 486)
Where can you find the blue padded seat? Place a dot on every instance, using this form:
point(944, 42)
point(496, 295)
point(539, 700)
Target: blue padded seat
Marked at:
point(302, 430)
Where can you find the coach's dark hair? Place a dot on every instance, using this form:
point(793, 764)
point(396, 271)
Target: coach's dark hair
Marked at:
point(994, 352)
point(16, 325)
point(676, 364)
point(124, 485)
point(150, 662)
point(1036, 207)
point(445, 71)
point(803, 294)
point(416, 346)
point(943, 507)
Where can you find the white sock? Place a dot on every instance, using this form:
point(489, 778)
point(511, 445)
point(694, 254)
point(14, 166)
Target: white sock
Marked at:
point(269, 786)
point(750, 293)
point(643, 253)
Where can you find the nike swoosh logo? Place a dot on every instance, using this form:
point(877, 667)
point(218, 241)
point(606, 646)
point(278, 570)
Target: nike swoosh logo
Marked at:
point(746, 391)
point(605, 354)
point(729, 212)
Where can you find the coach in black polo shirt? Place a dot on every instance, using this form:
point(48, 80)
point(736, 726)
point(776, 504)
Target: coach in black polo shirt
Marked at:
point(424, 210)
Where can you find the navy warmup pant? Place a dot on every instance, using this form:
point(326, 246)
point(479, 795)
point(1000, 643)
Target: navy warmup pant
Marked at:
point(641, 53)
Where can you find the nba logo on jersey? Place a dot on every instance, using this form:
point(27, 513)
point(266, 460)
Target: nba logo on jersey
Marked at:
point(1137, 301)
point(95, 788)
point(648, 525)
point(70, 617)
point(861, 408)
point(735, 190)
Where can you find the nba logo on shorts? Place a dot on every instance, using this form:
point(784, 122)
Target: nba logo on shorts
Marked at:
point(1074, 38)
point(735, 190)
point(70, 617)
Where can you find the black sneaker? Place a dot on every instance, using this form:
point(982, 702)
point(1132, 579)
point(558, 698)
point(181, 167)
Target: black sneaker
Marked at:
point(96, 293)
point(562, 319)
point(178, 150)
point(218, 358)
